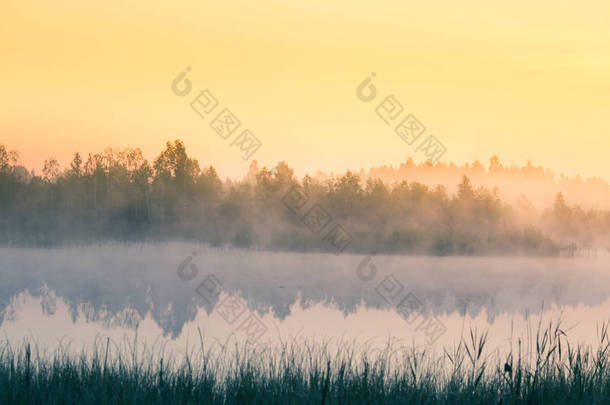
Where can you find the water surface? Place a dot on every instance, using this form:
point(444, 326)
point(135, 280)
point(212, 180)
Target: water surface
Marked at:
point(169, 294)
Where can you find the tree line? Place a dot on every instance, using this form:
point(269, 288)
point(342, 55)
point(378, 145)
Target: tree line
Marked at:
point(119, 195)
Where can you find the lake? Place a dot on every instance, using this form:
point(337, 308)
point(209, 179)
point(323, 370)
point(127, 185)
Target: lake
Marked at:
point(167, 296)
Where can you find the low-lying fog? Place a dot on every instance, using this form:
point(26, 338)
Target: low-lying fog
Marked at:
point(164, 289)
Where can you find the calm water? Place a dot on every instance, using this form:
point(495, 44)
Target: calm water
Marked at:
point(74, 297)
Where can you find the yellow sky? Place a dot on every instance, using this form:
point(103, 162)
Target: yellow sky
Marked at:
point(525, 80)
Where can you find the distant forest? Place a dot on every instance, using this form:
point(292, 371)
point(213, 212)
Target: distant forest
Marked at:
point(118, 195)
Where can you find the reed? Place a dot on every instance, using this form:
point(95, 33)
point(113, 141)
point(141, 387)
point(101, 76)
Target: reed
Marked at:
point(308, 372)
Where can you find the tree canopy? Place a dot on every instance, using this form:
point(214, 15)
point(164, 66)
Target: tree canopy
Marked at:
point(119, 195)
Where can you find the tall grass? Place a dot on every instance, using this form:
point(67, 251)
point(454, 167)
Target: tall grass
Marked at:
point(308, 372)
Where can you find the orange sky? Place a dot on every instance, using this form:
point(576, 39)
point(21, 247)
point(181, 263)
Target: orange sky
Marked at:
point(522, 80)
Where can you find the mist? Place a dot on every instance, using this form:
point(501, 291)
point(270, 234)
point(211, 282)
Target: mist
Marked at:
point(118, 195)
point(109, 279)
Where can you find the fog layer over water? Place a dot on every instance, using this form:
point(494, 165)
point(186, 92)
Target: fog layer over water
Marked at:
point(80, 293)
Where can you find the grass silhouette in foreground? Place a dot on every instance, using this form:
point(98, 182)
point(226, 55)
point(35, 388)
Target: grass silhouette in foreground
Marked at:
point(304, 372)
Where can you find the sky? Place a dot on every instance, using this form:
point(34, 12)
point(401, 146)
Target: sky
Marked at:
point(523, 80)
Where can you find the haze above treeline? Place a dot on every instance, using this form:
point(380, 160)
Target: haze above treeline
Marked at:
point(439, 209)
